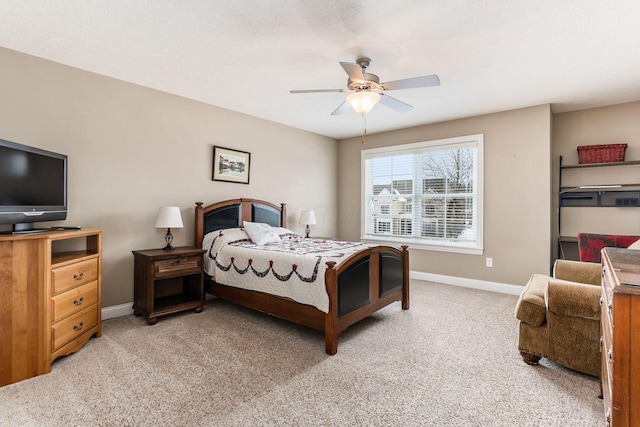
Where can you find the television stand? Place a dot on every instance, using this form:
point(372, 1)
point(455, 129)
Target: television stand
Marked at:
point(33, 230)
point(28, 231)
point(54, 284)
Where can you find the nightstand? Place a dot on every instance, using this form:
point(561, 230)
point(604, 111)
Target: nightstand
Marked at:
point(167, 282)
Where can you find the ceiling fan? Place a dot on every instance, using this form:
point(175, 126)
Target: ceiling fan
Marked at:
point(366, 89)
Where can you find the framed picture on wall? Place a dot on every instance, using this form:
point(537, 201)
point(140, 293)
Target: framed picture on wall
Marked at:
point(231, 165)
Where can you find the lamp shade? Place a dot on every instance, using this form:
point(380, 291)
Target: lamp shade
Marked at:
point(364, 101)
point(169, 217)
point(308, 217)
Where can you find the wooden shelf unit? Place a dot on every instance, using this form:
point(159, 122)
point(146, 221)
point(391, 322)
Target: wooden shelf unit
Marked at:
point(50, 298)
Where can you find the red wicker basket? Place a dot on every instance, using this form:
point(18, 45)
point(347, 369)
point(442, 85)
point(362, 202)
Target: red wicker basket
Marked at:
point(601, 153)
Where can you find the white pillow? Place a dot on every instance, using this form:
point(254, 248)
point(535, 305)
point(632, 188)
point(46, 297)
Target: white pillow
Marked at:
point(260, 233)
point(635, 245)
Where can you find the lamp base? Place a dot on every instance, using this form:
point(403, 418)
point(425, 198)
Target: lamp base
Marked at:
point(307, 230)
point(168, 238)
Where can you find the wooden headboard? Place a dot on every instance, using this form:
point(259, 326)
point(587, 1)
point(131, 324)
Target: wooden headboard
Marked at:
point(231, 213)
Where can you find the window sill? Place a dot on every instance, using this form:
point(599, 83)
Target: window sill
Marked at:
point(424, 247)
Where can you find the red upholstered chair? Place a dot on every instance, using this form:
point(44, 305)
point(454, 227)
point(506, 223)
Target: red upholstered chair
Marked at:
point(590, 244)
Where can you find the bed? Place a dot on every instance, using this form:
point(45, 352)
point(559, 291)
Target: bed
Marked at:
point(366, 278)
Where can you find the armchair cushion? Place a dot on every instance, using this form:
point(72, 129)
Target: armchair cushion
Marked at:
point(577, 271)
point(573, 299)
point(531, 307)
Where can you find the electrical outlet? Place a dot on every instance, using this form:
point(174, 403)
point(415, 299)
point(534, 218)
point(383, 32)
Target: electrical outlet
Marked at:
point(489, 262)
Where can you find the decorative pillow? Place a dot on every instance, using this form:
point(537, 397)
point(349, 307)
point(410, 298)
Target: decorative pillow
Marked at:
point(635, 245)
point(261, 233)
point(285, 232)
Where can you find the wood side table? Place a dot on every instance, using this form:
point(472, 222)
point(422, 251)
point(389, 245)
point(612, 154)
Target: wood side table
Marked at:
point(167, 282)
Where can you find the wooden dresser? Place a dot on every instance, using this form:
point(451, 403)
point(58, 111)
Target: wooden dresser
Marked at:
point(621, 336)
point(50, 298)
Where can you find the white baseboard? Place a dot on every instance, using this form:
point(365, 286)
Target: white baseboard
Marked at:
point(464, 282)
point(127, 308)
point(117, 311)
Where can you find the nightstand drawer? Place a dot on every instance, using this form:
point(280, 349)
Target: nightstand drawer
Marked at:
point(71, 276)
point(74, 300)
point(177, 266)
point(74, 326)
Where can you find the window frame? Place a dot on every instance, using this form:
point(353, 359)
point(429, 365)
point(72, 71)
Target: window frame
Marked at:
point(466, 247)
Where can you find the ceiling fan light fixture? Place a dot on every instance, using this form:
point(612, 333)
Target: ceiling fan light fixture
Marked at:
point(364, 101)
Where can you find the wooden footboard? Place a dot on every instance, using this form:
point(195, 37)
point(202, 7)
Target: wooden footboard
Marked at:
point(363, 284)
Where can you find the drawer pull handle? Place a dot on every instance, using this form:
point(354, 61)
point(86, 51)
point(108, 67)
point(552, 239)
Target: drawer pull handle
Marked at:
point(601, 301)
point(78, 301)
point(610, 306)
point(78, 327)
point(601, 341)
point(79, 276)
point(610, 354)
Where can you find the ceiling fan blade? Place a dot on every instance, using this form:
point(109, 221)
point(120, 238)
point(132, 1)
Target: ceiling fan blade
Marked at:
point(342, 108)
point(394, 104)
point(354, 71)
point(424, 81)
point(317, 90)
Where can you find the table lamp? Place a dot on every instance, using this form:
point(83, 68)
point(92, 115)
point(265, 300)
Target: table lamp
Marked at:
point(308, 218)
point(169, 217)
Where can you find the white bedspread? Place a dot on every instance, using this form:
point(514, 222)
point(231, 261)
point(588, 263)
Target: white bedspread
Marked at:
point(294, 268)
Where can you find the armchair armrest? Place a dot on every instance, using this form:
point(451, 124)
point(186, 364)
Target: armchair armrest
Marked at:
point(577, 271)
point(573, 299)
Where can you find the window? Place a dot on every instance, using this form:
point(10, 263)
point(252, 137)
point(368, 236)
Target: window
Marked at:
point(442, 179)
point(405, 226)
point(383, 226)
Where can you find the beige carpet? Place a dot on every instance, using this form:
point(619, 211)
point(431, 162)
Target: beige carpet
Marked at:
point(449, 361)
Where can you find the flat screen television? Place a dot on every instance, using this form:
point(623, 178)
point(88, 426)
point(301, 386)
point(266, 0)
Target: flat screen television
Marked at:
point(33, 186)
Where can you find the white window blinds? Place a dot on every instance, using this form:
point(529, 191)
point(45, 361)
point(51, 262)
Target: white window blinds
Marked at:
point(427, 195)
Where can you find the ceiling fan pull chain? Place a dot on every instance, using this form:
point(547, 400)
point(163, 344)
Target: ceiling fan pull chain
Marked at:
point(364, 127)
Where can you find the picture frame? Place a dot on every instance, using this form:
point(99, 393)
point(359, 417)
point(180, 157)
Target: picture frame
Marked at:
point(231, 165)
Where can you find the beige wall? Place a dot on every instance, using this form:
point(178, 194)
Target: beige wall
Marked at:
point(517, 193)
point(133, 149)
point(606, 125)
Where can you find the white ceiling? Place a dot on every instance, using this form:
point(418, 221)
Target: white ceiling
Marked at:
point(245, 55)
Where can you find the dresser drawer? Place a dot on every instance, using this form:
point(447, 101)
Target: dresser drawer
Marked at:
point(74, 300)
point(73, 326)
point(177, 266)
point(73, 275)
point(606, 350)
point(608, 281)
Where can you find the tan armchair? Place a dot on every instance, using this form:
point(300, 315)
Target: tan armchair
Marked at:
point(560, 317)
